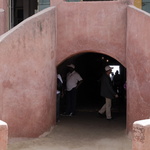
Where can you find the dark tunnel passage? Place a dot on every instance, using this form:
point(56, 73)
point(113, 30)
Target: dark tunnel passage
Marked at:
point(91, 67)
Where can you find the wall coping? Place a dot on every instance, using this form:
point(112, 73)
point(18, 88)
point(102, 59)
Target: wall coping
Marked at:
point(139, 10)
point(3, 36)
point(145, 122)
point(2, 123)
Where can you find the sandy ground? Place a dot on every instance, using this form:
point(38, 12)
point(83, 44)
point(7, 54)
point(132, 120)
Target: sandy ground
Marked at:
point(85, 131)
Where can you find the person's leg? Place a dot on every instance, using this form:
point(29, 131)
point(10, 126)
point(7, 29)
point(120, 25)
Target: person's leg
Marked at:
point(68, 110)
point(108, 108)
point(73, 108)
point(103, 109)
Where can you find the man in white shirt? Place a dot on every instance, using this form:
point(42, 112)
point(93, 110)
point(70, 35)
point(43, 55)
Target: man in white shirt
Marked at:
point(72, 83)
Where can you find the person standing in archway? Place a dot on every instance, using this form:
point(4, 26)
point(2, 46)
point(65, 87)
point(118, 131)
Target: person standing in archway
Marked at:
point(117, 82)
point(72, 83)
point(107, 92)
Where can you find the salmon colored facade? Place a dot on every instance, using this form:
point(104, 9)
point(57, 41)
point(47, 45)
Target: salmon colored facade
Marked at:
point(91, 27)
point(137, 64)
point(40, 43)
point(27, 66)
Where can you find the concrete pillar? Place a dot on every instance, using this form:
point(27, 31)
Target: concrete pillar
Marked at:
point(1, 20)
point(141, 135)
point(3, 135)
point(4, 4)
point(56, 2)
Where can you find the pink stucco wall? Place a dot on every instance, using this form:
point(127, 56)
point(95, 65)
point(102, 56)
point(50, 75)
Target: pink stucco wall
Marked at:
point(98, 26)
point(28, 73)
point(27, 58)
point(138, 65)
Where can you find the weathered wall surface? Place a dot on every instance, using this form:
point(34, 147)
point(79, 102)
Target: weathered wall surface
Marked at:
point(27, 78)
point(91, 27)
point(138, 66)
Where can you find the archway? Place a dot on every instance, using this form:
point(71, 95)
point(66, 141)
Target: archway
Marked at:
point(91, 66)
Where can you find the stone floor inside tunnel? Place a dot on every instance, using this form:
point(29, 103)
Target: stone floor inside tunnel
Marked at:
point(86, 130)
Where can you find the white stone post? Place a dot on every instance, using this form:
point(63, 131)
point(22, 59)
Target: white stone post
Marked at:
point(141, 135)
point(3, 135)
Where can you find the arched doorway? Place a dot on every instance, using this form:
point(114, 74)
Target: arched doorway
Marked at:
point(91, 67)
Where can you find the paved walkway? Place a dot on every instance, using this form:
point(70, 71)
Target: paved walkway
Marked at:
point(85, 131)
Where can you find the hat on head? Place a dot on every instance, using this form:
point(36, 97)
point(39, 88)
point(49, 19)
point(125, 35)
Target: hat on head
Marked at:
point(107, 68)
point(71, 66)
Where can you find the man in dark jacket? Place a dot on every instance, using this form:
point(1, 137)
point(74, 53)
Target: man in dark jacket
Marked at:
point(107, 92)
